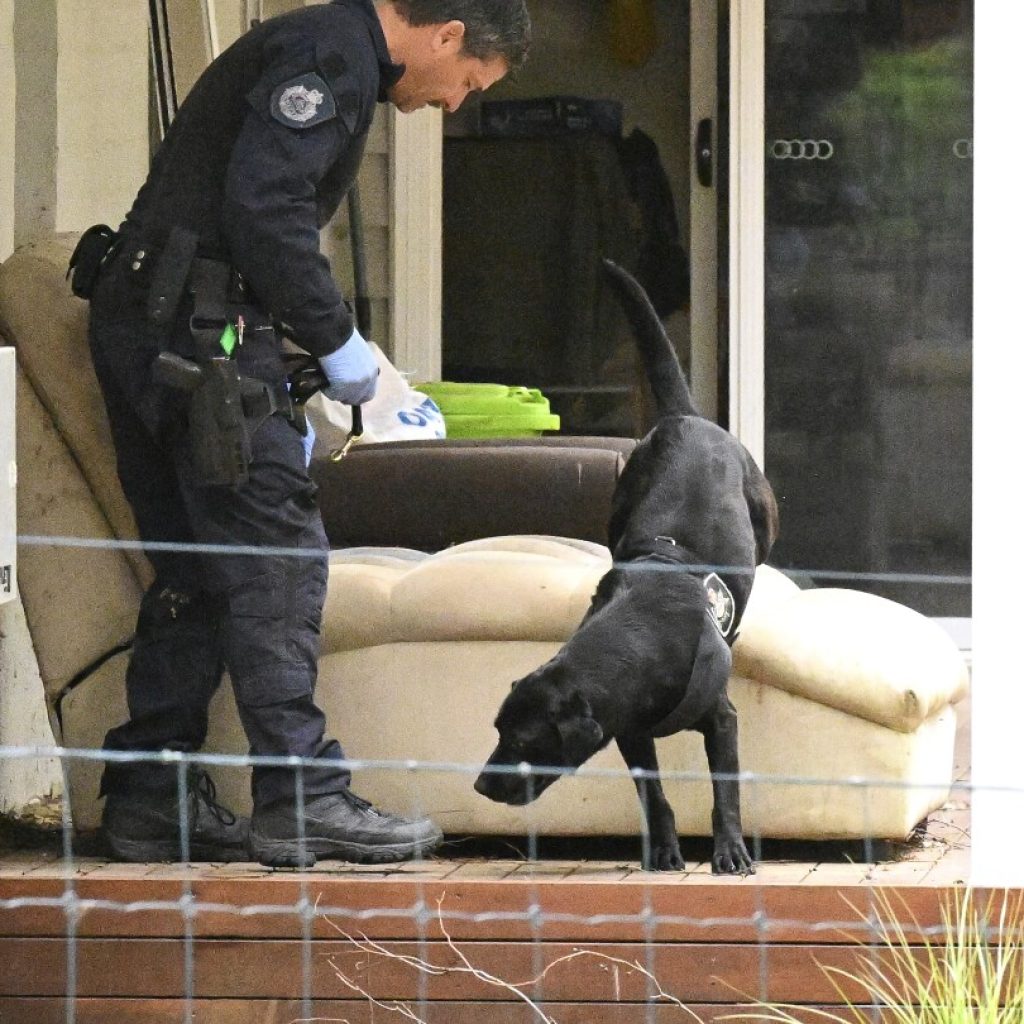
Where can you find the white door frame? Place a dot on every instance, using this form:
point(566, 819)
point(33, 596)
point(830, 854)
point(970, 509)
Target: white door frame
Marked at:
point(746, 224)
point(416, 226)
point(704, 209)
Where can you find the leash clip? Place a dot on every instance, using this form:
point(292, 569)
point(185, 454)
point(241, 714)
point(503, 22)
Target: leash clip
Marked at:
point(353, 435)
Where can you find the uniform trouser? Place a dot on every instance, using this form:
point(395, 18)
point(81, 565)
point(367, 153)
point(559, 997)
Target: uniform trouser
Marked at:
point(256, 612)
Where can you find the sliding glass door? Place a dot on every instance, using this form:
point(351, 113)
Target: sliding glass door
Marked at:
point(867, 306)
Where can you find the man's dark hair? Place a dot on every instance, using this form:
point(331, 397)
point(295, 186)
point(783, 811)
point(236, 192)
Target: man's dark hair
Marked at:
point(494, 28)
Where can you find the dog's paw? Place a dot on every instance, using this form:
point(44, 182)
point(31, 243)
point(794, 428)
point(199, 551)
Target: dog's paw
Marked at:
point(731, 857)
point(664, 857)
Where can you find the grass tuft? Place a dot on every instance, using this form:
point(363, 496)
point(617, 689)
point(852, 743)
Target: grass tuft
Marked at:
point(970, 973)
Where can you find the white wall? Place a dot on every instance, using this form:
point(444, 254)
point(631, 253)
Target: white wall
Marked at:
point(74, 113)
point(102, 109)
point(35, 118)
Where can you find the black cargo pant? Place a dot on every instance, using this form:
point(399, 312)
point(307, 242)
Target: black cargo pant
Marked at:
point(256, 612)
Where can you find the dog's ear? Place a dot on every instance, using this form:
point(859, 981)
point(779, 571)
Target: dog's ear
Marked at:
point(764, 512)
point(581, 735)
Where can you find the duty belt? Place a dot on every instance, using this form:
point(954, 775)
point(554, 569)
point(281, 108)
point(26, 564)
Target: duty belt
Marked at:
point(221, 400)
point(174, 268)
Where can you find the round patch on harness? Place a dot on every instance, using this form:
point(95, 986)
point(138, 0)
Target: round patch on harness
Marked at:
point(303, 102)
point(721, 603)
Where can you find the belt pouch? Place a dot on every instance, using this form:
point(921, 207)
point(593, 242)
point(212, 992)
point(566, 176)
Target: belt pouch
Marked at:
point(171, 274)
point(94, 248)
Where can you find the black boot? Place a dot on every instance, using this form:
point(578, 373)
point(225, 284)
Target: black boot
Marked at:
point(338, 826)
point(146, 826)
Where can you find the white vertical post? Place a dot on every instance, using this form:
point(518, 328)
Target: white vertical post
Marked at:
point(251, 10)
point(704, 210)
point(416, 224)
point(23, 721)
point(8, 480)
point(746, 225)
point(210, 29)
point(997, 698)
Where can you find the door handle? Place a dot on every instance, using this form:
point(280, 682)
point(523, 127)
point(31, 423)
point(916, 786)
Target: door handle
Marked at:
point(704, 154)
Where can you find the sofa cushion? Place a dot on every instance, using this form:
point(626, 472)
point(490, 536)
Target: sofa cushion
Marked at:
point(80, 600)
point(504, 588)
point(855, 652)
point(47, 326)
point(850, 651)
point(441, 699)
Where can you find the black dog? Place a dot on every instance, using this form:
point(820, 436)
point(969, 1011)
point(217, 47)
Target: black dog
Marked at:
point(691, 517)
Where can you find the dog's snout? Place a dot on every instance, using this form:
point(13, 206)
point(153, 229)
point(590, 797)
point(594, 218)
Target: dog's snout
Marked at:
point(491, 784)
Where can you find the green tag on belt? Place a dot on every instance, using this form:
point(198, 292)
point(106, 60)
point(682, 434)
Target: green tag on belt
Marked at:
point(229, 339)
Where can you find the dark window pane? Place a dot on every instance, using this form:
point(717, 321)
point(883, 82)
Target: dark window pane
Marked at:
point(868, 291)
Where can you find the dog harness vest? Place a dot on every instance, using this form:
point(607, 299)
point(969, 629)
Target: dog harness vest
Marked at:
point(721, 605)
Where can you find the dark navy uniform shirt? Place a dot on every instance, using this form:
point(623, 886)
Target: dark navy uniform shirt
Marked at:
point(263, 150)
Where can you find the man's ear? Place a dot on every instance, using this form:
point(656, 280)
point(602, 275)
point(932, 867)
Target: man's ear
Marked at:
point(581, 735)
point(450, 35)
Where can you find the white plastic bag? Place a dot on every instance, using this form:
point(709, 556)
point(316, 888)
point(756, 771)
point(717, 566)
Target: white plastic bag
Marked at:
point(398, 412)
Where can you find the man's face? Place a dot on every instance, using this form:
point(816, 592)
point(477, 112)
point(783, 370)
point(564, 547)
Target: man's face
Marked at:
point(439, 74)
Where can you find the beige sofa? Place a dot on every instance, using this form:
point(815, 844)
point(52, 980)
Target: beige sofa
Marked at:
point(420, 647)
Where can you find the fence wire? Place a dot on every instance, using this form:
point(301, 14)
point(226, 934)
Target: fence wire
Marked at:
point(426, 923)
point(425, 914)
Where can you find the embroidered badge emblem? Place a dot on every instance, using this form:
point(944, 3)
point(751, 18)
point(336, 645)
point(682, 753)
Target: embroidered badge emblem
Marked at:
point(300, 104)
point(721, 604)
point(303, 102)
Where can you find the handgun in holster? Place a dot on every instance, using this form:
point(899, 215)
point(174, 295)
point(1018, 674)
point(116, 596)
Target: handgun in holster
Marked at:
point(221, 451)
point(217, 431)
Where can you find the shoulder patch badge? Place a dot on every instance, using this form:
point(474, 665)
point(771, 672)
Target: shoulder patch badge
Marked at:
point(721, 603)
point(303, 102)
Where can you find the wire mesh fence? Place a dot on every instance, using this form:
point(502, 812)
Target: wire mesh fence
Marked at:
point(540, 912)
point(420, 941)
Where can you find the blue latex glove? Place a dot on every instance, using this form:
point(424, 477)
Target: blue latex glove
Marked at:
point(309, 440)
point(351, 372)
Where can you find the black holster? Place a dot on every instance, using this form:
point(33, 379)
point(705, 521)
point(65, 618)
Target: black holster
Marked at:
point(217, 429)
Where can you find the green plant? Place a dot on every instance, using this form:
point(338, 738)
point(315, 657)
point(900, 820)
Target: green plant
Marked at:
point(970, 973)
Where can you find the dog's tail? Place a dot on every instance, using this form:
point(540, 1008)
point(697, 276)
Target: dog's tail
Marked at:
point(668, 384)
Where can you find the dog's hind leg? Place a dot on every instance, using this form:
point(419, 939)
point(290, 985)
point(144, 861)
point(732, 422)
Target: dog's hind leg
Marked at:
point(721, 743)
point(661, 844)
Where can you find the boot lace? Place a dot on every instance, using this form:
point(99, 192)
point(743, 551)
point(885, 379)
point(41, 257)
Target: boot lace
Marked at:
point(360, 804)
point(202, 787)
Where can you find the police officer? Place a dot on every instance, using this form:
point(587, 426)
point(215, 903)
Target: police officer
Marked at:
point(221, 249)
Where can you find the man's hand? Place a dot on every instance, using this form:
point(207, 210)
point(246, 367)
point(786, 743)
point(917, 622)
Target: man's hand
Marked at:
point(351, 372)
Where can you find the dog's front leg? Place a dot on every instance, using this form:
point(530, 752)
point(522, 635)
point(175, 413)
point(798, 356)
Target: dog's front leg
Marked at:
point(661, 852)
point(721, 744)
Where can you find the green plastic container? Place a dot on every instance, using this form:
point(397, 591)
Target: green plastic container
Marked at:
point(491, 410)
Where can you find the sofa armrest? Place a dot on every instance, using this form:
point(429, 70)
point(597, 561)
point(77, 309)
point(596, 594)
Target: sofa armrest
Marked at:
point(429, 495)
